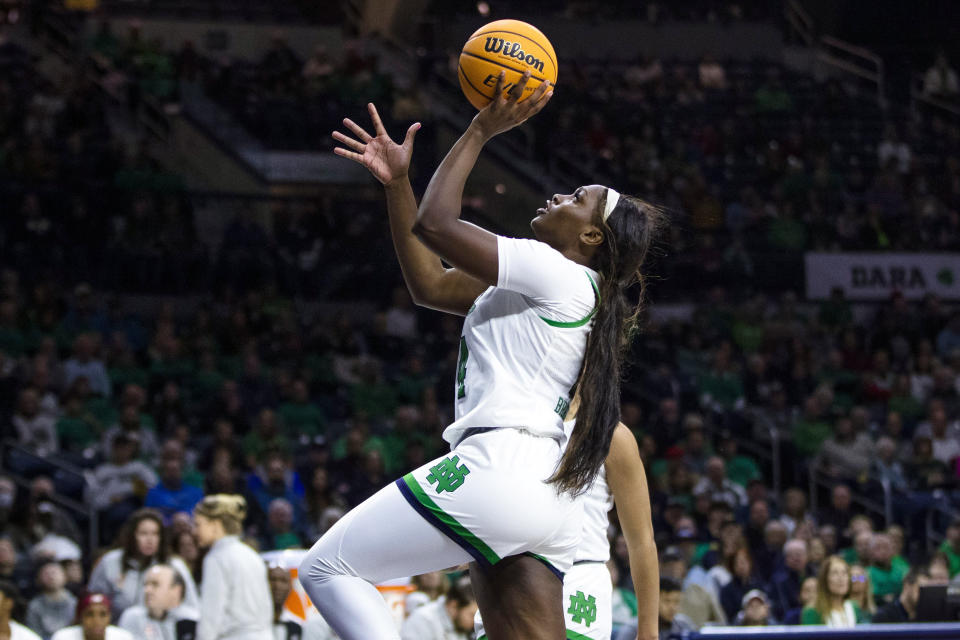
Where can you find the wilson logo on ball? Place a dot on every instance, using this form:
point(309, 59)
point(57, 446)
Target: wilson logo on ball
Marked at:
point(512, 50)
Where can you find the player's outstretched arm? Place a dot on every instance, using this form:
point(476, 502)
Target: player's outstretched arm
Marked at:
point(628, 483)
point(430, 283)
point(461, 244)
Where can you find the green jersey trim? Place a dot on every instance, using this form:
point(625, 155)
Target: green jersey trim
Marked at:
point(437, 516)
point(571, 635)
point(582, 321)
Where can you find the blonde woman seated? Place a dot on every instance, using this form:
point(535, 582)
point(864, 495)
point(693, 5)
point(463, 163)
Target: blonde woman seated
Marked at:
point(832, 606)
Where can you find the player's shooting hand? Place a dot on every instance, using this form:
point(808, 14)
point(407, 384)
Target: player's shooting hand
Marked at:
point(384, 158)
point(506, 111)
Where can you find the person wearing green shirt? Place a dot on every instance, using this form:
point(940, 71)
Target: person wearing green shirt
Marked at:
point(299, 415)
point(740, 469)
point(265, 437)
point(887, 579)
point(951, 547)
point(833, 607)
point(77, 429)
point(811, 430)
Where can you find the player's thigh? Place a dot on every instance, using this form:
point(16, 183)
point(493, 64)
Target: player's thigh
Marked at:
point(520, 598)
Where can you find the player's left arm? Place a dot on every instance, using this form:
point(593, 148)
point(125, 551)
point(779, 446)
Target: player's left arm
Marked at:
point(628, 483)
point(438, 226)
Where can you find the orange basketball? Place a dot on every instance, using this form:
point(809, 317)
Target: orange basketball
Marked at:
point(508, 45)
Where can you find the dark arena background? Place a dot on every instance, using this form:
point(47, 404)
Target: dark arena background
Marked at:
point(198, 297)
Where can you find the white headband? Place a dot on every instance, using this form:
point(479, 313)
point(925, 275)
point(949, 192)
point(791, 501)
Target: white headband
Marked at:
point(612, 199)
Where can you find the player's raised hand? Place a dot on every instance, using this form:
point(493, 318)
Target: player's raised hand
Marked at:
point(506, 110)
point(384, 158)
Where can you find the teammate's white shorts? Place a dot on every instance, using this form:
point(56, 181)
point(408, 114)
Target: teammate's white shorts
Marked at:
point(587, 603)
point(489, 495)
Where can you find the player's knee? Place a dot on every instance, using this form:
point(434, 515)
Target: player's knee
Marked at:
point(319, 566)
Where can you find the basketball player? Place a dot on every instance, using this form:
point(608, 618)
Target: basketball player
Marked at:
point(534, 310)
point(587, 589)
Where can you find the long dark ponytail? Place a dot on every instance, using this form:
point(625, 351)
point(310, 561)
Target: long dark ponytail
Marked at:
point(628, 233)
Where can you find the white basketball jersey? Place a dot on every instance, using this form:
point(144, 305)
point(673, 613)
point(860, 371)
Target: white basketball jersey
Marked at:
point(523, 342)
point(597, 502)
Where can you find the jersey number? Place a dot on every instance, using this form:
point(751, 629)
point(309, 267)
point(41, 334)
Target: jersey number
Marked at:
point(462, 368)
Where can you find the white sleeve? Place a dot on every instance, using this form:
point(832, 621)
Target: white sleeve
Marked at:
point(561, 287)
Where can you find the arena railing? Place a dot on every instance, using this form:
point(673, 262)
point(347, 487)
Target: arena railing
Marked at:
point(917, 631)
point(838, 54)
point(24, 465)
point(921, 101)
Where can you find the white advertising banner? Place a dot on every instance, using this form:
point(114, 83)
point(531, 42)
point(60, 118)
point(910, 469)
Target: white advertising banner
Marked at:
point(875, 276)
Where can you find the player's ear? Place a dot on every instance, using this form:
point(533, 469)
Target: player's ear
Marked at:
point(591, 236)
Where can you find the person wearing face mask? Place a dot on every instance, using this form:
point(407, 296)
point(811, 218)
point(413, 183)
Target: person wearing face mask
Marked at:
point(93, 622)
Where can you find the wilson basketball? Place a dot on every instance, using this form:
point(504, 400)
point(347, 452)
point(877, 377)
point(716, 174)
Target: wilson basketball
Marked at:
point(509, 45)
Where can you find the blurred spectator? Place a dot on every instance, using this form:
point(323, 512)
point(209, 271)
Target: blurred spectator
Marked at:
point(711, 73)
point(299, 416)
point(55, 607)
point(142, 544)
point(940, 80)
point(697, 603)
point(35, 430)
point(10, 628)
point(942, 434)
point(886, 578)
point(85, 363)
point(861, 591)
point(786, 582)
point(450, 617)
point(795, 512)
point(771, 97)
point(741, 469)
point(276, 480)
point(893, 151)
point(44, 519)
point(951, 546)
point(320, 496)
point(846, 454)
point(808, 599)
point(755, 610)
point(264, 439)
point(924, 470)
point(93, 614)
point(904, 607)
point(285, 625)
point(840, 510)
point(832, 608)
point(719, 488)
point(171, 494)
point(743, 581)
point(886, 467)
point(133, 424)
point(428, 588)
point(769, 556)
point(117, 488)
point(671, 620)
point(163, 614)
point(236, 593)
point(279, 532)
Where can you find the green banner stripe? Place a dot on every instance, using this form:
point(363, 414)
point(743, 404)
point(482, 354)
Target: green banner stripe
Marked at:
point(465, 534)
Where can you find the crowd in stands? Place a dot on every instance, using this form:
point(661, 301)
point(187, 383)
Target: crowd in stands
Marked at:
point(303, 415)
